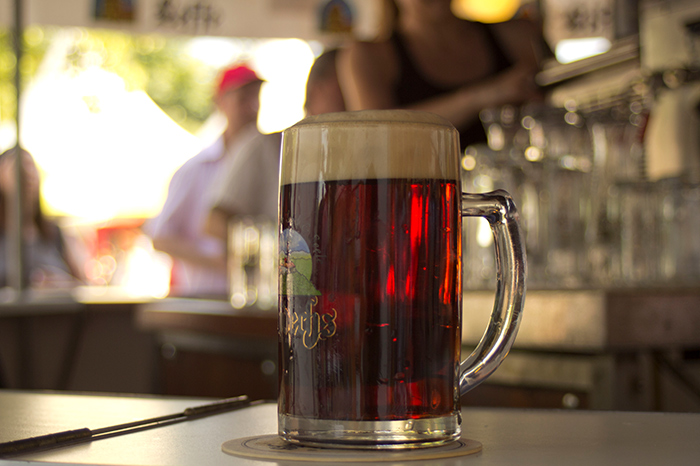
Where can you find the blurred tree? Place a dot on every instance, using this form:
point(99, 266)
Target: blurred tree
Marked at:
point(178, 83)
point(34, 48)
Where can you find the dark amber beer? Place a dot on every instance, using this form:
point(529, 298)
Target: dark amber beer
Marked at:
point(385, 259)
point(370, 280)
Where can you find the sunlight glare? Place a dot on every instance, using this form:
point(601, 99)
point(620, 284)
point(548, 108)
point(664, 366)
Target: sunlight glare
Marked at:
point(570, 50)
point(215, 51)
point(104, 151)
point(284, 64)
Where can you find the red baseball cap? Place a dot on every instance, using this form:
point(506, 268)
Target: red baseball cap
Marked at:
point(236, 77)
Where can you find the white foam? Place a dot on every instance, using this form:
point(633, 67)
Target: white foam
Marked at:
point(371, 144)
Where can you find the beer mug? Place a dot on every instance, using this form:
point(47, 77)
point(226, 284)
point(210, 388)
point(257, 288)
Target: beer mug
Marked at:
point(370, 281)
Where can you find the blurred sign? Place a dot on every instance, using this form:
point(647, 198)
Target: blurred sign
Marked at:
point(114, 10)
point(230, 18)
point(197, 16)
point(575, 19)
point(335, 17)
point(297, 5)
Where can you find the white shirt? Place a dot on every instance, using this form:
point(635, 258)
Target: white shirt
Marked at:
point(250, 183)
point(185, 213)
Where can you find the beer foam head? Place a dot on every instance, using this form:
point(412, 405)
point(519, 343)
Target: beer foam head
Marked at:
point(370, 144)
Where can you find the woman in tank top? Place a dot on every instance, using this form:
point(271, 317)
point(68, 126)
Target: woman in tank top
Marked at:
point(436, 62)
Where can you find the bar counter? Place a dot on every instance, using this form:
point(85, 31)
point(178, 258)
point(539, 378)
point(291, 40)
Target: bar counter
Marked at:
point(604, 349)
point(82, 338)
point(508, 436)
point(598, 349)
point(565, 320)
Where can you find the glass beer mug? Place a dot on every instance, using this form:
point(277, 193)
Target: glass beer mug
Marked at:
point(370, 281)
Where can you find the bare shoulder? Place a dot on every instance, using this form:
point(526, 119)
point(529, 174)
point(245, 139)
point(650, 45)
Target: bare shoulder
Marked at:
point(368, 54)
point(367, 73)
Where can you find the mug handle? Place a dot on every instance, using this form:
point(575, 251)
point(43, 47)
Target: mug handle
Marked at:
point(511, 266)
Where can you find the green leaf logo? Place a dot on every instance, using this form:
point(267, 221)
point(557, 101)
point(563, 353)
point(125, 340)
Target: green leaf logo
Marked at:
point(295, 265)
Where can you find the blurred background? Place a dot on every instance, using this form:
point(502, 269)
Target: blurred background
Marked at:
point(112, 97)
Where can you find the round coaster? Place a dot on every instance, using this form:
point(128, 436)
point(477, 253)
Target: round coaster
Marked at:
point(272, 447)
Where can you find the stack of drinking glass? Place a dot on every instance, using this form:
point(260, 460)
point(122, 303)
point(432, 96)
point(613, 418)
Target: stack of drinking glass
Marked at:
point(590, 216)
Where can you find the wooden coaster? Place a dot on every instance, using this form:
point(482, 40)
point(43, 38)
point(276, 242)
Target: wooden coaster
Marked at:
point(272, 447)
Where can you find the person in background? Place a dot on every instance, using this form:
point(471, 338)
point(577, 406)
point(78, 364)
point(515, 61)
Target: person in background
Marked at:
point(199, 260)
point(249, 186)
point(47, 261)
point(436, 62)
point(323, 93)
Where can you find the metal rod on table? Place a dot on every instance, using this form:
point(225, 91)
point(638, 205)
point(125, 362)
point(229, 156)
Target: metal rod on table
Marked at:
point(70, 437)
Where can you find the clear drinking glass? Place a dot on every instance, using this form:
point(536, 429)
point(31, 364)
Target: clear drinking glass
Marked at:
point(560, 153)
point(370, 284)
point(251, 263)
point(639, 210)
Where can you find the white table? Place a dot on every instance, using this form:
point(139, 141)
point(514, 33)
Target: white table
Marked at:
point(509, 436)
